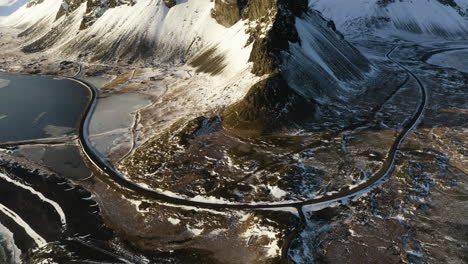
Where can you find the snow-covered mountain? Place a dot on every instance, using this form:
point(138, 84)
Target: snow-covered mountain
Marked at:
point(297, 56)
point(443, 18)
point(7, 7)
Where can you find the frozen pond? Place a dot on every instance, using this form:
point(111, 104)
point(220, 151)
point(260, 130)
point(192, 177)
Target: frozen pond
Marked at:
point(33, 107)
point(64, 159)
point(457, 59)
point(112, 122)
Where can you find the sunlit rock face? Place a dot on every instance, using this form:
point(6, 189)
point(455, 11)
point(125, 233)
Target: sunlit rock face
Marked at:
point(228, 12)
point(301, 65)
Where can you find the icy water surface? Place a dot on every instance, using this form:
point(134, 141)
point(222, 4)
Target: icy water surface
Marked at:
point(33, 107)
point(113, 120)
point(457, 59)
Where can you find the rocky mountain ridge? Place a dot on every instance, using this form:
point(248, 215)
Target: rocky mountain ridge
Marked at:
point(446, 19)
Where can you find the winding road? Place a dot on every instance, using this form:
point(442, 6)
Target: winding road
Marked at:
point(341, 196)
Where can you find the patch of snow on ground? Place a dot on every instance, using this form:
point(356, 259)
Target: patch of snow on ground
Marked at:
point(267, 232)
point(195, 231)
point(136, 203)
point(308, 240)
point(218, 232)
point(277, 192)
point(454, 59)
point(173, 221)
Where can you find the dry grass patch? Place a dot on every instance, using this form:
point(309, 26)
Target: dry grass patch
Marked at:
point(119, 80)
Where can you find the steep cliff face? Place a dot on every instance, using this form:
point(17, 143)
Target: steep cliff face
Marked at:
point(442, 18)
point(270, 104)
point(228, 12)
point(304, 60)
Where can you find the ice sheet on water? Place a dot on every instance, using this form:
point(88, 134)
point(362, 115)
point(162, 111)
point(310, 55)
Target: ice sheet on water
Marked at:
point(4, 83)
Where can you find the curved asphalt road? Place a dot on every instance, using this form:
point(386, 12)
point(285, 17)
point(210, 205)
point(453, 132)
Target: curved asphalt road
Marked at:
point(341, 196)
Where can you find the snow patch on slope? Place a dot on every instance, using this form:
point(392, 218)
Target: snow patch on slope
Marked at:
point(43, 14)
point(428, 17)
point(147, 30)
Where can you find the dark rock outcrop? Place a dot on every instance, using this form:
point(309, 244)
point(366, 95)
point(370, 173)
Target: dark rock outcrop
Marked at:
point(227, 12)
point(287, 95)
point(281, 14)
point(170, 3)
point(94, 9)
point(269, 104)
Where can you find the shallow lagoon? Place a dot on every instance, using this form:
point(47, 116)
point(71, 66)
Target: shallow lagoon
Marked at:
point(457, 59)
point(34, 107)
